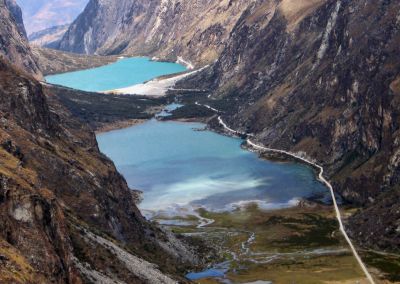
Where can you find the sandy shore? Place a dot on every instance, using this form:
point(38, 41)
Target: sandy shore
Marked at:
point(155, 88)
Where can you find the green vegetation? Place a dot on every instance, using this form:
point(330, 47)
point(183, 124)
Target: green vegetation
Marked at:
point(97, 109)
point(318, 270)
point(388, 264)
point(316, 231)
point(190, 111)
point(296, 245)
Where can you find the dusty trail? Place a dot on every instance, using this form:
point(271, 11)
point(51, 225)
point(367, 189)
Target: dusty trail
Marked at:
point(323, 180)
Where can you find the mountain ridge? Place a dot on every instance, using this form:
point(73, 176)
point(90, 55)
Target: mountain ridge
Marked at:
point(166, 29)
point(48, 37)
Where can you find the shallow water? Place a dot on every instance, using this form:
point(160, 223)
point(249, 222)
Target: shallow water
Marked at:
point(178, 165)
point(218, 271)
point(168, 109)
point(123, 73)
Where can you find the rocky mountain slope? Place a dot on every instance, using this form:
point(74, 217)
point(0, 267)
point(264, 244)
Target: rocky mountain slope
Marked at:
point(66, 215)
point(13, 42)
point(16, 12)
point(322, 77)
point(52, 61)
point(168, 29)
point(49, 37)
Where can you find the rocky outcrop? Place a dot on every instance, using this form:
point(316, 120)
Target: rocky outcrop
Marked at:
point(16, 12)
point(13, 42)
point(167, 29)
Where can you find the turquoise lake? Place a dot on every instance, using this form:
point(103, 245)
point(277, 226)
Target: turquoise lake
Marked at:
point(123, 73)
point(179, 165)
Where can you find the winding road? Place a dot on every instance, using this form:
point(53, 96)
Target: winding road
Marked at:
point(322, 179)
point(338, 214)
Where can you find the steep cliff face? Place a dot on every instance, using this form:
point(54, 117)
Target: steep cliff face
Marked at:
point(105, 22)
point(13, 42)
point(195, 30)
point(66, 215)
point(322, 77)
point(58, 192)
point(16, 12)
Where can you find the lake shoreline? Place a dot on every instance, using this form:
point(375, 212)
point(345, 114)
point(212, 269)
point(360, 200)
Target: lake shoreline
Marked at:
point(126, 123)
point(157, 87)
point(111, 126)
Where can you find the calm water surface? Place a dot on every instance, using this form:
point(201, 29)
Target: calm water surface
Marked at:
point(177, 165)
point(123, 73)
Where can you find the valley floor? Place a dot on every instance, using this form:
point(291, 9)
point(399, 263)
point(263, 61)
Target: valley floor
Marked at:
point(297, 245)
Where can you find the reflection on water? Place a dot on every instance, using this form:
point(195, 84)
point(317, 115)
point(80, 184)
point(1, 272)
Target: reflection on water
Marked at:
point(177, 167)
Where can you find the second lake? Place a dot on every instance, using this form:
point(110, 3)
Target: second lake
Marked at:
point(181, 165)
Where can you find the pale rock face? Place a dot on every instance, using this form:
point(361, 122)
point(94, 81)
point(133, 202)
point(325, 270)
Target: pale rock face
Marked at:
point(23, 212)
point(296, 10)
point(160, 13)
point(167, 29)
point(48, 37)
point(16, 12)
point(329, 27)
